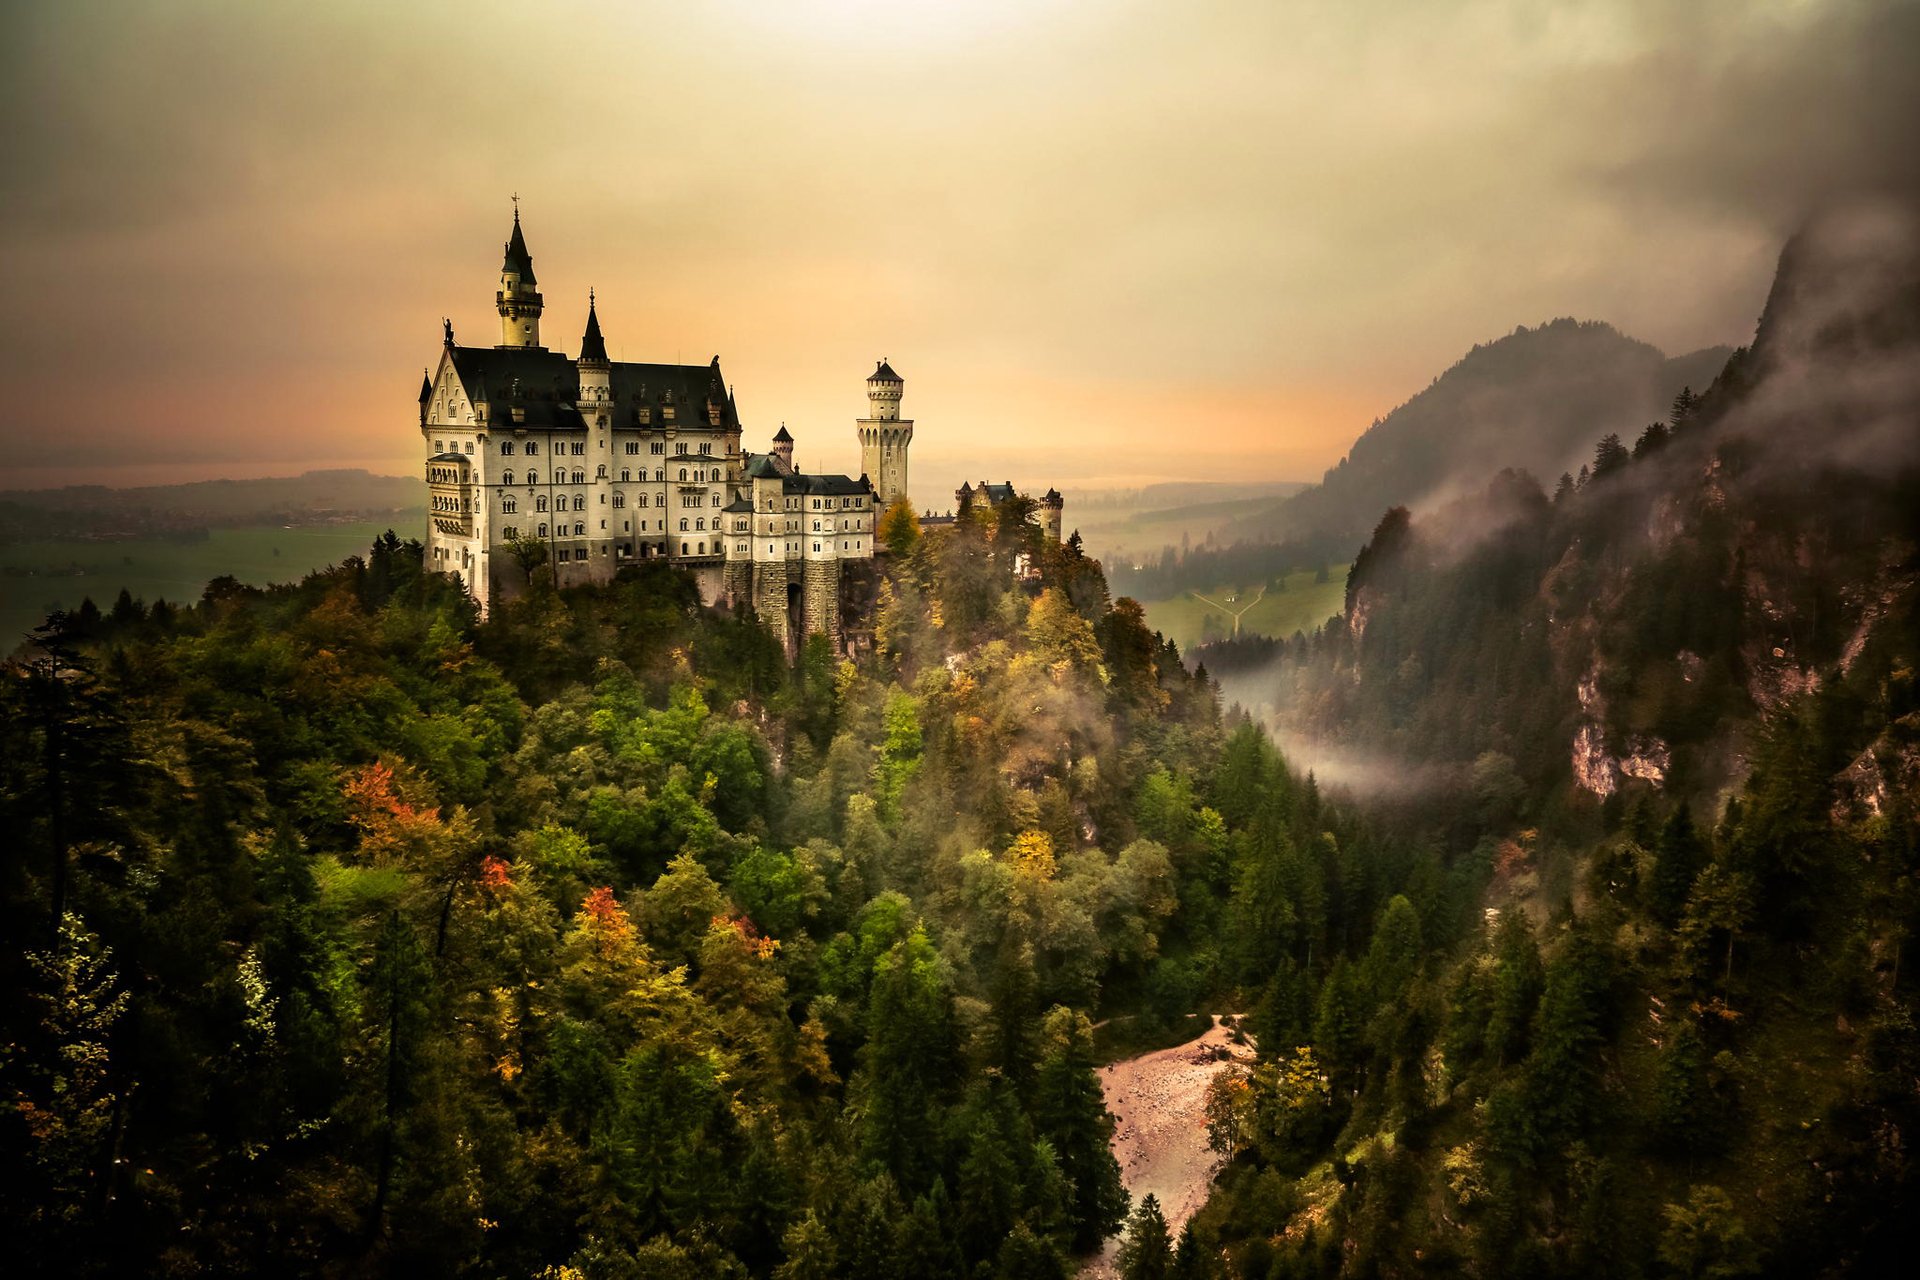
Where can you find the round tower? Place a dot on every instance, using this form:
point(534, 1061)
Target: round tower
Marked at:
point(884, 436)
point(518, 298)
point(1050, 511)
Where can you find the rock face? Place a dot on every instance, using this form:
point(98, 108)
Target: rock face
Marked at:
point(1159, 1105)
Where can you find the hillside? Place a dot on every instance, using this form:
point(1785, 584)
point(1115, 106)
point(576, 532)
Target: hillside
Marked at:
point(1534, 400)
point(1671, 715)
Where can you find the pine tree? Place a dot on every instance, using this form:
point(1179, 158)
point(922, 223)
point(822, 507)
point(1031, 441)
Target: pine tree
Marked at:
point(1147, 1253)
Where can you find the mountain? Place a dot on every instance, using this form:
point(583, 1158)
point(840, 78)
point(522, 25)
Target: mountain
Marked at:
point(1667, 722)
point(1534, 400)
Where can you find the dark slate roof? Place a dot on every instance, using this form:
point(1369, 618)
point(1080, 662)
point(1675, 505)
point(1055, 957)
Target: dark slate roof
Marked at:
point(518, 259)
point(883, 372)
point(1053, 498)
point(426, 387)
point(548, 382)
point(738, 505)
point(449, 457)
point(593, 346)
point(761, 466)
point(835, 485)
point(783, 437)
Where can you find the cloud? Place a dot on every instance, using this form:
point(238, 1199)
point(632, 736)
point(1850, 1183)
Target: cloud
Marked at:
point(1091, 223)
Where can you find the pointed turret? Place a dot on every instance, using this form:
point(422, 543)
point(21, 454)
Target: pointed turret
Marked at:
point(593, 347)
point(783, 449)
point(518, 260)
point(518, 300)
point(426, 395)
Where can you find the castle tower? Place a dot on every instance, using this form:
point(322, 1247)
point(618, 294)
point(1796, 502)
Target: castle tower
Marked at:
point(518, 299)
point(596, 372)
point(783, 449)
point(1050, 509)
point(884, 436)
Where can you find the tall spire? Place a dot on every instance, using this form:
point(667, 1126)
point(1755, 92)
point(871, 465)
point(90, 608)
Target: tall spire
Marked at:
point(518, 260)
point(593, 346)
point(519, 297)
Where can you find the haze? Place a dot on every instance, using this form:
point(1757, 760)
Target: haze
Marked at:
point(1104, 241)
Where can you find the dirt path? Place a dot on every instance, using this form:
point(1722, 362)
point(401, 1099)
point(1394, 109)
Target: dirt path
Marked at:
point(1159, 1103)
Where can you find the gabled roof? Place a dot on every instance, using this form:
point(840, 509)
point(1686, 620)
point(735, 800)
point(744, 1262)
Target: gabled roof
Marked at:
point(518, 259)
point(835, 485)
point(544, 384)
point(883, 372)
point(738, 505)
point(426, 387)
point(783, 437)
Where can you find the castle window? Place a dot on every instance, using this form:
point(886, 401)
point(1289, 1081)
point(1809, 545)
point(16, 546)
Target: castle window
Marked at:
point(633, 446)
point(533, 477)
point(683, 473)
point(579, 527)
point(679, 448)
point(543, 531)
point(816, 546)
point(603, 499)
point(532, 448)
point(619, 500)
point(683, 524)
point(716, 499)
point(506, 448)
point(659, 447)
point(601, 474)
point(579, 477)
point(510, 532)
point(700, 523)
point(703, 549)
point(660, 474)
point(579, 448)
point(508, 505)
point(645, 501)
point(506, 477)
point(540, 503)
point(579, 502)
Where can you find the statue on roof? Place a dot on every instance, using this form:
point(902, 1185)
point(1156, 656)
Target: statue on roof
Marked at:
point(447, 323)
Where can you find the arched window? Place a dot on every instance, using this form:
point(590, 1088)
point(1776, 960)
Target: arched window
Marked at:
point(506, 448)
point(579, 477)
point(533, 477)
point(700, 523)
point(532, 448)
point(683, 524)
point(508, 505)
point(543, 531)
point(540, 503)
point(683, 473)
point(579, 527)
point(703, 549)
point(716, 499)
point(644, 500)
point(579, 502)
point(619, 500)
point(625, 474)
point(506, 477)
point(601, 474)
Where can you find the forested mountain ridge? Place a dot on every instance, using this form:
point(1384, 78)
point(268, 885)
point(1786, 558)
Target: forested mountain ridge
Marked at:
point(1672, 708)
point(1533, 400)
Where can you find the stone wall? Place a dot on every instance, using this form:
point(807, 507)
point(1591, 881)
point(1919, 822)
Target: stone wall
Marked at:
point(770, 597)
point(823, 599)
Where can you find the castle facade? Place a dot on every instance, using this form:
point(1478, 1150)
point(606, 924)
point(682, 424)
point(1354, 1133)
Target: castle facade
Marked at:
point(584, 464)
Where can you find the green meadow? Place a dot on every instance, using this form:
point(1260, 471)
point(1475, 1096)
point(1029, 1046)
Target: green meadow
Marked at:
point(1303, 606)
point(37, 577)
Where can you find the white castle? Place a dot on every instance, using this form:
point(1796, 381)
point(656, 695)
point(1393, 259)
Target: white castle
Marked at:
point(600, 463)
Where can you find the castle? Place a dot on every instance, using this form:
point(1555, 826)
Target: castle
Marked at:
point(586, 464)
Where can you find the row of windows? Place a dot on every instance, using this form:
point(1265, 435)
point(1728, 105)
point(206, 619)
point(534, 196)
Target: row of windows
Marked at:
point(531, 447)
point(600, 473)
point(440, 446)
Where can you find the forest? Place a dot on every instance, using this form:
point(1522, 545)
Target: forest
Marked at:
point(357, 935)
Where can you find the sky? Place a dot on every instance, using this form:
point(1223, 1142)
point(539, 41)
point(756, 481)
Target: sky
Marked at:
point(1103, 241)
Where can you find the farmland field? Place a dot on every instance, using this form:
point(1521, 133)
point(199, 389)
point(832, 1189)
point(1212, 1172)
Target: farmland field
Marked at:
point(36, 577)
point(1303, 606)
